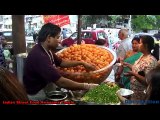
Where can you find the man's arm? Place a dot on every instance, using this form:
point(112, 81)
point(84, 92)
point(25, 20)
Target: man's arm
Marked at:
point(121, 52)
point(69, 84)
point(67, 63)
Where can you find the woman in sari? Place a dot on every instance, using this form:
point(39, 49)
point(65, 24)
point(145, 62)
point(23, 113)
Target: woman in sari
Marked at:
point(144, 64)
point(131, 57)
point(152, 91)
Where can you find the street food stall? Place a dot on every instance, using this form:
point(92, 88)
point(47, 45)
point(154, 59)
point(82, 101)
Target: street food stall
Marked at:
point(101, 57)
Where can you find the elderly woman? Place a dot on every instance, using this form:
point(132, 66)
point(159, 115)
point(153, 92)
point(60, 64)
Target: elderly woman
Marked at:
point(141, 67)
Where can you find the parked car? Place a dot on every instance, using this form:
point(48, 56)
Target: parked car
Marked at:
point(141, 34)
point(87, 36)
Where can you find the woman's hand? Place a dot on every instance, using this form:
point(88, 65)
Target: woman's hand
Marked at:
point(89, 67)
point(125, 64)
point(120, 97)
point(129, 73)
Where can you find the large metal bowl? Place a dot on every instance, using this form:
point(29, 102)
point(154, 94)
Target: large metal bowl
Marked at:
point(97, 76)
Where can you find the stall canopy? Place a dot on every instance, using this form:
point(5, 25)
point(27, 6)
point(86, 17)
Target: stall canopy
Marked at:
point(60, 20)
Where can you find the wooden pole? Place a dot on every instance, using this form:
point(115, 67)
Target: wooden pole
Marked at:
point(18, 36)
point(79, 30)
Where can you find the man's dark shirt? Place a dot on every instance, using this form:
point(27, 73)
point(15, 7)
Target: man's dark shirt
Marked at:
point(39, 70)
point(35, 35)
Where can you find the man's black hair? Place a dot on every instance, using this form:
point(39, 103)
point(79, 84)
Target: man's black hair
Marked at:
point(48, 29)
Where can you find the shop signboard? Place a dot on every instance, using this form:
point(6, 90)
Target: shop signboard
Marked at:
point(59, 20)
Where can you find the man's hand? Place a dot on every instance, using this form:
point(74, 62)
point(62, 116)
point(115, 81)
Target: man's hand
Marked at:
point(89, 67)
point(89, 86)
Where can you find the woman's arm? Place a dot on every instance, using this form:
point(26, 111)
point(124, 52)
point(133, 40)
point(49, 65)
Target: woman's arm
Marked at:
point(141, 75)
point(138, 77)
point(125, 64)
point(118, 73)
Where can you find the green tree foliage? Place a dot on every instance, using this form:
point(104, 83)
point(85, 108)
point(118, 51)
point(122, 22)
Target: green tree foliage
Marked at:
point(88, 20)
point(141, 22)
point(157, 22)
point(138, 22)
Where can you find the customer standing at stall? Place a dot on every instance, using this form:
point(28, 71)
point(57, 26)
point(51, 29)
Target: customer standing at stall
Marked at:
point(40, 67)
point(141, 67)
point(131, 57)
point(35, 35)
point(2, 57)
point(64, 33)
point(152, 91)
point(125, 44)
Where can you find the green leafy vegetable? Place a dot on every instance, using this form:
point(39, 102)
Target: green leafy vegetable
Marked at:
point(103, 94)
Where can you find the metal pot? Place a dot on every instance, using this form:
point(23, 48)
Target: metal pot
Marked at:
point(56, 96)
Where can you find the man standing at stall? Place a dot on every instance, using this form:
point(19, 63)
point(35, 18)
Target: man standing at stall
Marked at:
point(40, 67)
point(64, 33)
point(125, 44)
point(35, 35)
point(2, 57)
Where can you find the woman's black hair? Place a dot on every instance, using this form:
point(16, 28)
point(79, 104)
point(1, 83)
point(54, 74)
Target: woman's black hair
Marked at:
point(154, 81)
point(156, 51)
point(136, 38)
point(149, 41)
point(48, 29)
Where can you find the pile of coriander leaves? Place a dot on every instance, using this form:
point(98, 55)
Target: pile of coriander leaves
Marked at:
point(102, 94)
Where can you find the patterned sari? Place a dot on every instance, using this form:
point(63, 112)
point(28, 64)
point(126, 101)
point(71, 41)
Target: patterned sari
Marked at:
point(142, 64)
point(125, 80)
